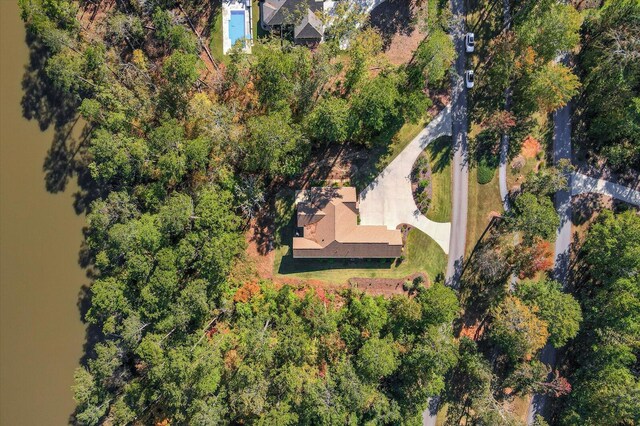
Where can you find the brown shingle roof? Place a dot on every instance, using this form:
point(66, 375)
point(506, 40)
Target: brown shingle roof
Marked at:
point(329, 218)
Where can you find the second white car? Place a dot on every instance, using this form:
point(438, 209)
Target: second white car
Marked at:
point(468, 78)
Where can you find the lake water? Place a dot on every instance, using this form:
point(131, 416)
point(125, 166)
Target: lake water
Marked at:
point(41, 335)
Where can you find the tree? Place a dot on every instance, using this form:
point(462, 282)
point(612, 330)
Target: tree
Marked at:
point(329, 121)
point(609, 60)
point(250, 194)
point(378, 358)
point(274, 145)
point(552, 86)
point(559, 310)
point(439, 304)
point(547, 181)
point(117, 158)
point(612, 247)
point(603, 380)
point(362, 51)
point(550, 28)
point(279, 73)
point(375, 105)
point(176, 215)
point(534, 217)
point(517, 330)
point(182, 70)
point(435, 56)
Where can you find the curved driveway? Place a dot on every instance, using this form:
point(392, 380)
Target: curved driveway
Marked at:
point(388, 200)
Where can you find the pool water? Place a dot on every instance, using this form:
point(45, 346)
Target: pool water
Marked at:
point(236, 26)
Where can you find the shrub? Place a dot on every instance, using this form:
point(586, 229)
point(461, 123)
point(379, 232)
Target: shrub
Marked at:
point(485, 172)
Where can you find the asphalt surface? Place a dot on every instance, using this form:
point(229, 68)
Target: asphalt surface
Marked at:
point(561, 151)
point(459, 170)
point(460, 163)
point(388, 199)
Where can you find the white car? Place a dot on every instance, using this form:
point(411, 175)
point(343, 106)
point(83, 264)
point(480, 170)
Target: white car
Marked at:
point(468, 78)
point(469, 42)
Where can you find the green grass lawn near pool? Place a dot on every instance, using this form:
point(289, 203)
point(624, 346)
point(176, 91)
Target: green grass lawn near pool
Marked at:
point(483, 199)
point(439, 153)
point(422, 254)
point(215, 43)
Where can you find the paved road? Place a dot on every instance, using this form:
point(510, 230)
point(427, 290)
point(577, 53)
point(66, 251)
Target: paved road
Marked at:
point(388, 200)
point(502, 172)
point(561, 151)
point(460, 163)
point(504, 141)
point(460, 170)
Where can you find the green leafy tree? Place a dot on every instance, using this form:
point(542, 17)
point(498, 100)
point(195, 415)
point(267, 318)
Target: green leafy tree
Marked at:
point(534, 217)
point(435, 56)
point(559, 310)
point(274, 145)
point(377, 358)
point(552, 86)
point(517, 330)
point(550, 27)
point(612, 248)
point(329, 121)
point(375, 105)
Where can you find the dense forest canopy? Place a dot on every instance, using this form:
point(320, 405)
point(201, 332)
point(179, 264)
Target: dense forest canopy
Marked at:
point(177, 154)
point(180, 151)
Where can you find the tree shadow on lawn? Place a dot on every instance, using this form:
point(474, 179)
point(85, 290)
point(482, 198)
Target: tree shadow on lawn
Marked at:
point(364, 171)
point(393, 17)
point(440, 153)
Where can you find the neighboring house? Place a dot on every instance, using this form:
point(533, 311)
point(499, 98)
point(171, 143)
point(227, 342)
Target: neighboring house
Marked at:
point(299, 15)
point(329, 221)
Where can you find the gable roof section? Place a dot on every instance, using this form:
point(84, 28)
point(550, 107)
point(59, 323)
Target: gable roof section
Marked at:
point(310, 27)
point(275, 12)
point(329, 218)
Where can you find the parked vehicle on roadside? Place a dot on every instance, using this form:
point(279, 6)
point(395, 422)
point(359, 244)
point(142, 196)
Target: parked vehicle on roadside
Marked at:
point(469, 42)
point(468, 78)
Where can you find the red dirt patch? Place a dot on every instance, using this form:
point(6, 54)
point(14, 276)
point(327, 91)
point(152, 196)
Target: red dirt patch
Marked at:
point(403, 46)
point(386, 287)
point(258, 239)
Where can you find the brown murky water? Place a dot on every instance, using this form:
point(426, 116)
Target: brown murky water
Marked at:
point(41, 333)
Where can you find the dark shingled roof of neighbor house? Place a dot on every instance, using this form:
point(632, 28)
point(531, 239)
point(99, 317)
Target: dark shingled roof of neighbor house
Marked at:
point(274, 12)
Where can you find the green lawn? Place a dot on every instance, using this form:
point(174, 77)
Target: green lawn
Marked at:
point(483, 199)
point(439, 153)
point(258, 32)
point(422, 254)
point(215, 43)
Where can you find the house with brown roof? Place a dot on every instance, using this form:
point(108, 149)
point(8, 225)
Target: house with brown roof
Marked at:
point(327, 220)
point(299, 15)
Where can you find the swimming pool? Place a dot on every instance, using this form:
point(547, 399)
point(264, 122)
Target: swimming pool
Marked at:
point(236, 26)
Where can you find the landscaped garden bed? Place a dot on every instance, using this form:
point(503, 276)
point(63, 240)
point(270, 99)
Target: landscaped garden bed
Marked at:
point(421, 186)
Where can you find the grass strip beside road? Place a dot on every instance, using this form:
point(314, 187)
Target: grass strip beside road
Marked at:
point(439, 153)
point(483, 201)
